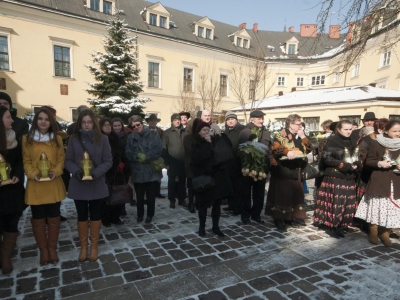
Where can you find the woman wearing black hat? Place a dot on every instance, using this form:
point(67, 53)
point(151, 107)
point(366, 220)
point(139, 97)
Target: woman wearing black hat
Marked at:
point(202, 164)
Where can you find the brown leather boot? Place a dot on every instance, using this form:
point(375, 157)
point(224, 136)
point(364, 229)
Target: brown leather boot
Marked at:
point(39, 231)
point(373, 234)
point(53, 225)
point(83, 229)
point(385, 237)
point(94, 239)
point(9, 239)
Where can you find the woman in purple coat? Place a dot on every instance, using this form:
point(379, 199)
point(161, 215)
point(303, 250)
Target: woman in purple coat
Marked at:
point(88, 194)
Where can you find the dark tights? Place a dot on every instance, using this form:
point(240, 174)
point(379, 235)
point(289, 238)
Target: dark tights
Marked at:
point(215, 213)
point(86, 208)
point(41, 211)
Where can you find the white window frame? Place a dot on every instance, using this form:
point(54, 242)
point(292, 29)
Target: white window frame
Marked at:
point(157, 61)
point(6, 32)
point(385, 58)
point(227, 83)
point(318, 78)
point(35, 106)
point(211, 34)
point(336, 77)
point(183, 78)
point(67, 44)
point(302, 81)
point(202, 31)
point(239, 42)
point(246, 43)
point(101, 6)
point(288, 49)
point(307, 122)
point(356, 70)
point(281, 80)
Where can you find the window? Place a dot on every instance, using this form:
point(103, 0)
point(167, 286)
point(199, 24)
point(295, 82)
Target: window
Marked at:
point(163, 22)
point(381, 86)
point(318, 80)
point(208, 34)
point(356, 119)
point(74, 114)
point(4, 57)
point(394, 117)
point(153, 19)
point(291, 49)
point(154, 75)
point(281, 81)
point(376, 28)
point(238, 42)
point(188, 80)
point(300, 81)
point(62, 61)
point(385, 59)
point(245, 43)
point(356, 70)
point(252, 89)
point(312, 123)
point(223, 85)
point(200, 31)
point(336, 78)
point(107, 7)
point(95, 5)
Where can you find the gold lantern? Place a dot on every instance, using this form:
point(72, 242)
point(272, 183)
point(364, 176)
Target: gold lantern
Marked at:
point(86, 165)
point(5, 169)
point(44, 167)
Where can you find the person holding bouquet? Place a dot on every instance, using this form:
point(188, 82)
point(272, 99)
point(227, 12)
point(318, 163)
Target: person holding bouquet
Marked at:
point(285, 201)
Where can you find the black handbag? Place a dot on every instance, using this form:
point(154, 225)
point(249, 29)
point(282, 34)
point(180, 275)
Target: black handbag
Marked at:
point(311, 171)
point(203, 183)
point(119, 193)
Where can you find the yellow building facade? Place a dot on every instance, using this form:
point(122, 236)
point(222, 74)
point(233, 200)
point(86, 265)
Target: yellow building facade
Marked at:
point(182, 57)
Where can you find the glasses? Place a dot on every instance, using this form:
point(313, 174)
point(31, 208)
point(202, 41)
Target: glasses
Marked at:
point(87, 123)
point(298, 124)
point(136, 125)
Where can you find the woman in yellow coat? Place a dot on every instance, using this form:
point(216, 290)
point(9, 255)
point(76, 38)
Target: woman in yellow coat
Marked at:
point(43, 157)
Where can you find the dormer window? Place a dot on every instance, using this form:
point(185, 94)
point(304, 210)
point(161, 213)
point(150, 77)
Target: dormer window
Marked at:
point(204, 28)
point(104, 6)
point(245, 43)
point(157, 15)
point(239, 42)
point(291, 49)
point(291, 46)
point(241, 39)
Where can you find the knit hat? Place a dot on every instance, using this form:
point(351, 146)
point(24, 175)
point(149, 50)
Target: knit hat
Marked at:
point(201, 125)
point(230, 114)
point(5, 96)
point(175, 116)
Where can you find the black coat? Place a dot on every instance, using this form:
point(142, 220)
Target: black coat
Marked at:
point(173, 151)
point(112, 176)
point(21, 127)
point(202, 164)
point(235, 164)
point(12, 196)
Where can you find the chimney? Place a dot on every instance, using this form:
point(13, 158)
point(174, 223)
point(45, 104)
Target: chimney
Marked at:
point(308, 30)
point(349, 34)
point(243, 26)
point(291, 29)
point(293, 89)
point(255, 27)
point(280, 93)
point(373, 84)
point(334, 31)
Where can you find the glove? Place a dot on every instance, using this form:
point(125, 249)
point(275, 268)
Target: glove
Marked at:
point(121, 167)
point(79, 175)
point(141, 157)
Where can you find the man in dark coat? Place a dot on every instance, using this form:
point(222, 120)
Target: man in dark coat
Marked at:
point(368, 121)
point(232, 131)
point(254, 130)
point(70, 128)
point(19, 126)
point(174, 157)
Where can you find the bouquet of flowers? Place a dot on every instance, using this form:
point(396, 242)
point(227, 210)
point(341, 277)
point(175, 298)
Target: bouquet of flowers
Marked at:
point(274, 127)
point(252, 154)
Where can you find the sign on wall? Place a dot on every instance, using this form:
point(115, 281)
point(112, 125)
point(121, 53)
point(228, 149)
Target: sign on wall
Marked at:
point(2, 83)
point(64, 89)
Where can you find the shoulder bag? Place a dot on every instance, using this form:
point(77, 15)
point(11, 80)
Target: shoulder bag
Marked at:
point(203, 183)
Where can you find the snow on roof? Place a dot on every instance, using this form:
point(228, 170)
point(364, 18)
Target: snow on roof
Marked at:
point(323, 96)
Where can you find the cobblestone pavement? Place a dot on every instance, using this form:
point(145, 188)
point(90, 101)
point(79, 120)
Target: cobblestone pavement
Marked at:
point(167, 260)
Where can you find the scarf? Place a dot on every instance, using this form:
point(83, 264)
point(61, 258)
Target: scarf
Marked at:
point(389, 143)
point(11, 139)
point(40, 137)
point(121, 134)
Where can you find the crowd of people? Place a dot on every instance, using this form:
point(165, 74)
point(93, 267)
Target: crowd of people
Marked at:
point(358, 177)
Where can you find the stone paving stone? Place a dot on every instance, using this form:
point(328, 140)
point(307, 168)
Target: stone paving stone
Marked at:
point(215, 276)
point(92, 274)
point(28, 254)
point(157, 252)
point(126, 291)
point(206, 249)
point(53, 272)
point(26, 285)
point(298, 296)
point(111, 268)
point(70, 264)
point(228, 255)
point(283, 277)
point(337, 261)
point(87, 266)
point(186, 246)
point(320, 266)
point(27, 273)
point(233, 244)
point(331, 289)
point(177, 254)
point(5, 294)
point(305, 286)
point(49, 283)
point(163, 260)
point(303, 272)
point(110, 281)
point(146, 261)
point(71, 276)
point(137, 275)
point(273, 296)
point(353, 256)
point(75, 289)
point(129, 266)
point(383, 249)
point(197, 241)
point(335, 278)
point(209, 259)
point(286, 289)
point(194, 253)
point(106, 258)
point(44, 295)
point(124, 257)
point(139, 251)
point(186, 264)
point(171, 286)
point(213, 295)
point(262, 283)
point(238, 291)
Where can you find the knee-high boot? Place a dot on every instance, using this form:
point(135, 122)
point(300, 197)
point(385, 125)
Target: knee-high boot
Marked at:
point(373, 234)
point(53, 226)
point(94, 239)
point(385, 237)
point(39, 231)
point(83, 230)
point(215, 227)
point(9, 239)
point(202, 218)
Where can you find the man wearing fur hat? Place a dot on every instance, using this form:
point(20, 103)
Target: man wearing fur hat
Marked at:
point(19, 126)
point(368, 121)
point(185, 116)
point(174, 157)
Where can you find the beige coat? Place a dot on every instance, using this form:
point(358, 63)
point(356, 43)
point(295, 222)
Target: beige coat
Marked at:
point(44, 192)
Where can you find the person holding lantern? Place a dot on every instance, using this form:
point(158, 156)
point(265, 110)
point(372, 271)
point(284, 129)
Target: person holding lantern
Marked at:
point(11, 189)
point(43, 157)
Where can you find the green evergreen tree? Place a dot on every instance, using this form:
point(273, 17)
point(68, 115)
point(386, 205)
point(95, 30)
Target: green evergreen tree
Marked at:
point(117, 77)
